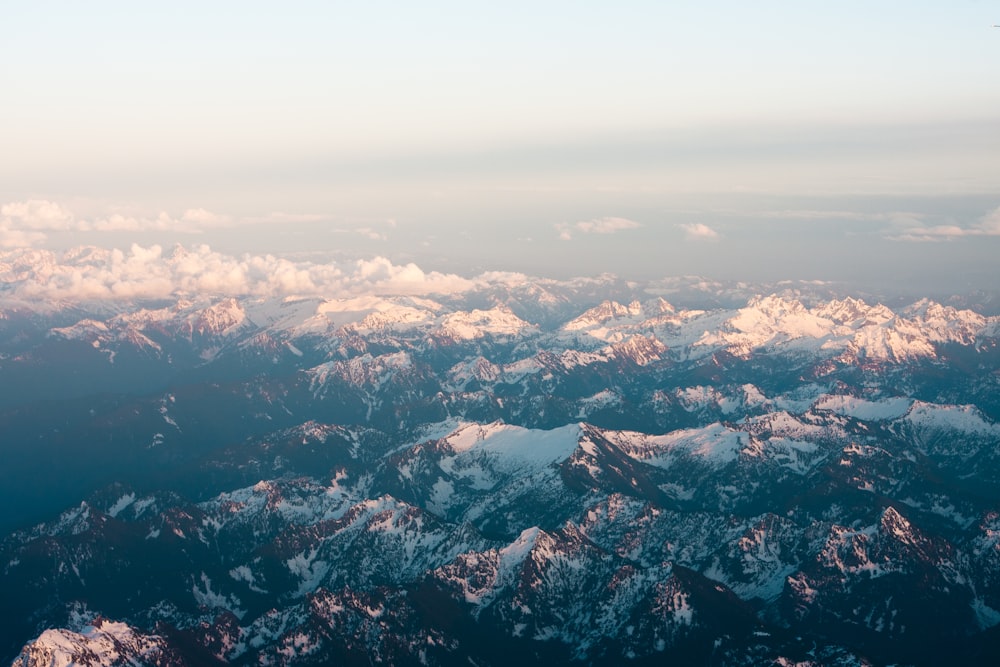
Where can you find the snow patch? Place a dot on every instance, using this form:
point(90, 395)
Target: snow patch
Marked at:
point(881, 410)
point(121, 504)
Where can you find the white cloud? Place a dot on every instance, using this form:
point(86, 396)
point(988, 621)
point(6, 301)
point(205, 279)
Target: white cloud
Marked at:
point(35, 214)
point(990, 223)
point(606, 225)
point(595, 226)
point(43, 215)
point(913, 230)
point(367, 232)
point(697, 231)
point(372, 234)
point(935, 233)
point(149, 272)
point(192, 221)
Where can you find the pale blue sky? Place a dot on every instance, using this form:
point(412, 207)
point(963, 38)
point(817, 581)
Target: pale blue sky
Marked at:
point(480, 135)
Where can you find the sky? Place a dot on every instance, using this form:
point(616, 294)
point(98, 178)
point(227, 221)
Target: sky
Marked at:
point(740, 141)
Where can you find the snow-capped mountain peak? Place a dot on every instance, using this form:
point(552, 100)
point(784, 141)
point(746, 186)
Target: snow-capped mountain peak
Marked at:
point(102, 643)
point(497, 321)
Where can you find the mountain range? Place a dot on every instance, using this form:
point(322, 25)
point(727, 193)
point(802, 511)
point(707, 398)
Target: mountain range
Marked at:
point(579, 472)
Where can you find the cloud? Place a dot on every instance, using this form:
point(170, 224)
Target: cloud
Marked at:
point(374, 230)
point(372, 234)
point(43, 215)
point(150, 273)
point(21, 222)
point(912, 229)
point(192, 221)
point(990, 223)
point(35, 214)
point(367, 232)
point(697, 231)
point(595, 226)
point(606, 225)
point(935, 233)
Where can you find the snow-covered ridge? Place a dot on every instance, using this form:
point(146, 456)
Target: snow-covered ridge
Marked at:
point(846, 331)
point(520, 446)
point(608, 310)
point(364, 371)
point(99, 644)
point(884, 409)
point(716, 444)
point(497, 321)
point(858, 332)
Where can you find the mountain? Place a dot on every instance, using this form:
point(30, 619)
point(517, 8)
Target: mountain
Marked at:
point(567, 473)
point(101, 642)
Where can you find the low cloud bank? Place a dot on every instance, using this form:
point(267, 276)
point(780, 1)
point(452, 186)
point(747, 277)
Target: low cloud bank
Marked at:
point(91, 273)
point(912, 230)
point(28, 222)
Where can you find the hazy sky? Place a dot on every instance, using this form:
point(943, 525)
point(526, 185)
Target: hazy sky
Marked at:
point(759, 140)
